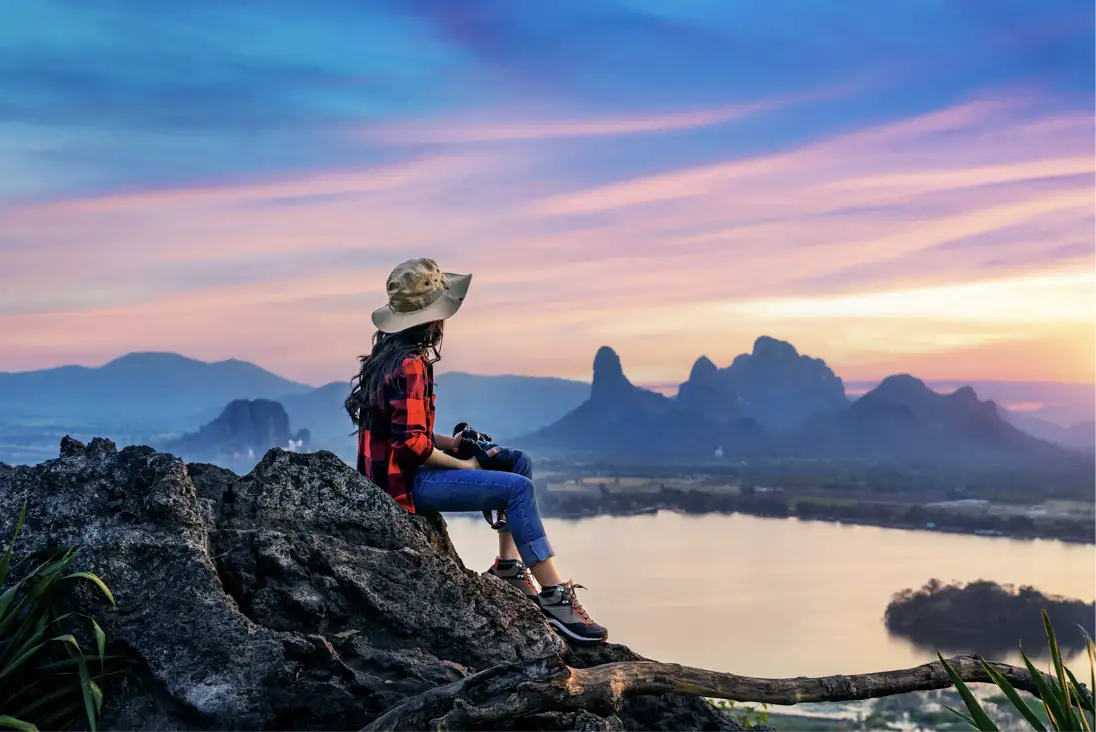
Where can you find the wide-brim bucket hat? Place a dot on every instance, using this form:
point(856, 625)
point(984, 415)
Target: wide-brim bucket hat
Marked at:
point(419, 292)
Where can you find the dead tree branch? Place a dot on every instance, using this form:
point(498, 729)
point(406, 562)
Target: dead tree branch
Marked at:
point(516, 690)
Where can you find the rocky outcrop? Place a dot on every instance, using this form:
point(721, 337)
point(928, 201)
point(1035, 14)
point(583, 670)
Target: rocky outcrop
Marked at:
point(299, 596)
point(707, 392)
point(781, 388)
point(244, 431)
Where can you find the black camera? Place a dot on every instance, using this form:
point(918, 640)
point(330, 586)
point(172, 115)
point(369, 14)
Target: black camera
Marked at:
point(478, 445)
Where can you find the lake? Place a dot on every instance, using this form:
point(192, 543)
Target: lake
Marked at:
point(776, 597)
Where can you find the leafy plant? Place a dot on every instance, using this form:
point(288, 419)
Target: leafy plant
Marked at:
point(1068, 705)
point(45, 675)
point(748, 717)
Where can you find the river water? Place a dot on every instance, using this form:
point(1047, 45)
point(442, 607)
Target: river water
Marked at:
point(776, 597)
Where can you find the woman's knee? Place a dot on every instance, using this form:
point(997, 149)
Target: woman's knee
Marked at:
point(524, 466)
point(521, 488)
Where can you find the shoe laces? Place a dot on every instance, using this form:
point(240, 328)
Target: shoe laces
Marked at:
point(523, 575)
point(576, 606)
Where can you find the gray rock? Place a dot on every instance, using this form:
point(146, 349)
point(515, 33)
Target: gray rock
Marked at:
point(299, 596)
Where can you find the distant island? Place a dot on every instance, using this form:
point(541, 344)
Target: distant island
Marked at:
point(986, 617)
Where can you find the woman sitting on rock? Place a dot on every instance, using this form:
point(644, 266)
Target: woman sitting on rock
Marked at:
point(392, 405)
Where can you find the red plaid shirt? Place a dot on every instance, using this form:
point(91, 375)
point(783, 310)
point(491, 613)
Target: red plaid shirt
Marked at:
point(398, 435)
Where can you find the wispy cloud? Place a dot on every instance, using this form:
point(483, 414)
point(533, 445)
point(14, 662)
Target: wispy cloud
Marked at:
point(450, 131)
point(937, 221)
point(559, 129)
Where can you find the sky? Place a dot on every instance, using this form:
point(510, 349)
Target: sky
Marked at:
point(893, 187)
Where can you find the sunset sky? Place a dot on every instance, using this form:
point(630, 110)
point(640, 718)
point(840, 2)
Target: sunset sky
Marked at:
point(898, 186)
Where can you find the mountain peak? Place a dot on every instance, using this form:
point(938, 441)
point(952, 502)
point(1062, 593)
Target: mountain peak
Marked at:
point(965, 395)
point(609, 375)
point(607, 363)
point(766, 346)
point(901, 383)
point(704, 370)
point(904, 389)
point(144, 359)
point(780, 386)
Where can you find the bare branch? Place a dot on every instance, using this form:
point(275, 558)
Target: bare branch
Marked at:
point(516, 690)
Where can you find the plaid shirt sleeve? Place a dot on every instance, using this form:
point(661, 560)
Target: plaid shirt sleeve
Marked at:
point(411, 439)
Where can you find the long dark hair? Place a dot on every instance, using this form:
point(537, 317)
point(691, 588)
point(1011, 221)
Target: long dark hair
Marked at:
point(389, 351)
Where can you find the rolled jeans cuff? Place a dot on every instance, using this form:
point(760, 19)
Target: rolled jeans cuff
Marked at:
point(536, 551)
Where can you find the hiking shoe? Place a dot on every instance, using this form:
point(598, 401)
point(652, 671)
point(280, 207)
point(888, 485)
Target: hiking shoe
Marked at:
point(514, 573)
point(564, 612)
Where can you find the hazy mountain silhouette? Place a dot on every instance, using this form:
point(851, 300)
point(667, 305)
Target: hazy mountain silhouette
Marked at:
point(164, 388)
point(900, 420)
point(782, 388)
point(706, 391)
point(775, 384)
point(1058, 403)
point(903, 419)
point(504, 406)
point(732, 408)
point(1083, 434)
point(245, 430)
point(624, 421)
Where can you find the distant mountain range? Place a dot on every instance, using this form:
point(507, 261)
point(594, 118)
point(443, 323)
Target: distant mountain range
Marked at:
point(164, 389)
point(774, 385)
point(1056, 404)
point(772, 401)
point(776, 402)
point(903, 419)
point(504, 406)
point(623, 421)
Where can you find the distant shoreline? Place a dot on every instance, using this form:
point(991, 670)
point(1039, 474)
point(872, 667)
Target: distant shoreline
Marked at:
point(587, 512)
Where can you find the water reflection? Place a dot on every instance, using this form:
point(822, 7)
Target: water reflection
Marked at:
point(777, 597)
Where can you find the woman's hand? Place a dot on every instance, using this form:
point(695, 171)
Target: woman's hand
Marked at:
point(444, 461)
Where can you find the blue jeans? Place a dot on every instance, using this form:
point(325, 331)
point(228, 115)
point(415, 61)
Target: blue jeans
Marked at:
point(489, 490)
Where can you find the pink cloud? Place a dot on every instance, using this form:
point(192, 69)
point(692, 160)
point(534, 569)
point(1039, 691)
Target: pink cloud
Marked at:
point(112, 273)
point(1024, 406)
point(454, 132)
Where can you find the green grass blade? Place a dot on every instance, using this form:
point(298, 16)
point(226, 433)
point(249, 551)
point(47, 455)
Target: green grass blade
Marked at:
point(1083, 701)
point(1050, 699)
point(100, 642)
point(981, 720)
point(98, 694)
point(1064, 696)
point(68, 712)
point(88, 689)
point(19, 660)
point(61, 689)
point(13, 723)
point(11, 547)
point(25, 638)
point(1014, 698)
point(966, 718)
point(7, 612)
point(89, 576)
point(1090, 647)
point(43, 699)
point(72, 662)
